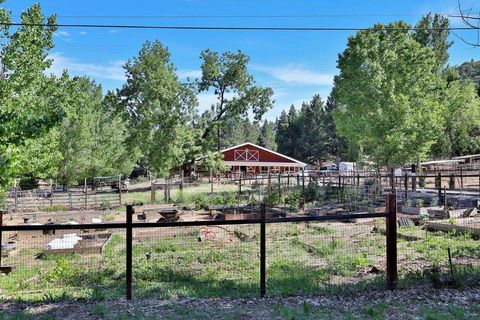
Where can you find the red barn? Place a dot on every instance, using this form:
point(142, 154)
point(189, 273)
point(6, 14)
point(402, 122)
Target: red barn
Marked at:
point(250, 158)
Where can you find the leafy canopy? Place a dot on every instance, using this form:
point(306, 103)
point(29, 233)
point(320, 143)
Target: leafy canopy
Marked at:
point(388, 95)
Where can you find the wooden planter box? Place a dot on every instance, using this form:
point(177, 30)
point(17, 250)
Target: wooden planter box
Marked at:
point(90, 244)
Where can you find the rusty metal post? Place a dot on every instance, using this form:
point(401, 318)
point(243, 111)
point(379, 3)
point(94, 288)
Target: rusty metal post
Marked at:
point(263, 273)
point(129, 239)
point(391, 228)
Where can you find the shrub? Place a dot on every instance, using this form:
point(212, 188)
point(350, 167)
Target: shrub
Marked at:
point(201, 201)
point(293, 198)
point(311, 191)
point(274, 198)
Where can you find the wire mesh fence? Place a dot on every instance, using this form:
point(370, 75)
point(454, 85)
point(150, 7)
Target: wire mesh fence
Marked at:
point(293, 255)
point(71, 263)
point(201, 261)
point(190, 258)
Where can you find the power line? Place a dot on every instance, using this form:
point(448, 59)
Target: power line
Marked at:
point(243, 16)
point(226, 28)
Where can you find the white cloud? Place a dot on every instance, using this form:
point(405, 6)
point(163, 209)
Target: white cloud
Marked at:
point(296, 74)
point(205, 101)
point(112, 31)
point(189, 73)
point(112, 70)
point(63, 35)
point(82, 33)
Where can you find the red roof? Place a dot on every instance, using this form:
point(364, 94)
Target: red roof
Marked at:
point(249, 152)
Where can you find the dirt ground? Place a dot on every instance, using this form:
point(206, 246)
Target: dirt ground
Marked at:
point(417, 303)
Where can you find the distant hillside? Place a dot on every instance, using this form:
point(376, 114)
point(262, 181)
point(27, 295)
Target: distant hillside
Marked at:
point(470, 70)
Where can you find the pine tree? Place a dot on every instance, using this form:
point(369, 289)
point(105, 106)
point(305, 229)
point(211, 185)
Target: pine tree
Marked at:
point(266, 138)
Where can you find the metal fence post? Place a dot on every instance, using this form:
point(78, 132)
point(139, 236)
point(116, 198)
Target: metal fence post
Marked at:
point(128, 272)
point(262, 251)
point(391, 228)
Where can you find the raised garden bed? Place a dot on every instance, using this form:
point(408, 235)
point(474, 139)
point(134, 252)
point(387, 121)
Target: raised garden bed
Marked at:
point(88, 244)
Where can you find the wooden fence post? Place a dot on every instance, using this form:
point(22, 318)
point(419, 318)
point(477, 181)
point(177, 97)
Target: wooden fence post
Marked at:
point(51, 193)
point(129, 239)
point(240, 185)
point(211, 181)
point(391, 228)
point(263, 280)
point(303, 188)
point(461, 178)
point(181, 179)
point(445, 198)
point(406, 186)
point(439, 179)
point(85, 191)
point(279, 184)
point(152, 192)
point(120, 190)
point(15, 196)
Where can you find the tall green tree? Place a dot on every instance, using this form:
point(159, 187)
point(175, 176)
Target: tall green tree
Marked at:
point(388, 95)
point(432, 31)
point(159, 110)
point(461, 135)
point(227, 76)
point(287, 132)
point(315, 142)
point(266, 137)
point(238, 130)
point(29, 100)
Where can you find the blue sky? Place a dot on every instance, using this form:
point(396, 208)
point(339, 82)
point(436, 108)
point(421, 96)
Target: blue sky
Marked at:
point(295, 64)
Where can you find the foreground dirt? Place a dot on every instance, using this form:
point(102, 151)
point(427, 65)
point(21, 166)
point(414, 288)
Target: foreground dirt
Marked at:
point(401, 304)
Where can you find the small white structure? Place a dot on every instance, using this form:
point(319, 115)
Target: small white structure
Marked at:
point(346, 168)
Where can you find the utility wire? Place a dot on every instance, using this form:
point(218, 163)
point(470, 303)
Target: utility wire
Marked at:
point(129, 26)
point(242, 16)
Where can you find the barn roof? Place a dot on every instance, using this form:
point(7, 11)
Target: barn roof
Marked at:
point(264, 149)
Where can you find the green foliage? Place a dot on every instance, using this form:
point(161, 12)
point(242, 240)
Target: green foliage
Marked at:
point(227, 76)
point(238, 130)
point(273, 198)
point(382, 95)
point(462, 116)
point(30, 101)
point(293, 198)
point(158, 109)
point(266, 138)
point(201, 201)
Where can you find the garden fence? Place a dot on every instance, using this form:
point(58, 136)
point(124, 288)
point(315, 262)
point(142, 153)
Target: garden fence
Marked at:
point(245, 254)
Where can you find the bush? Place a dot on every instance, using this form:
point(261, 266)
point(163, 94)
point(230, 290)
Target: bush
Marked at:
point(293, 198)
point(201, 201)
point(311, 191)
point(274, 198)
